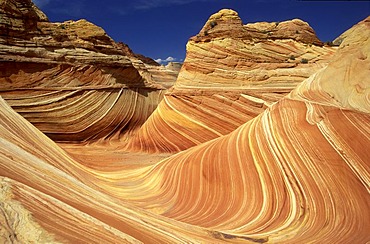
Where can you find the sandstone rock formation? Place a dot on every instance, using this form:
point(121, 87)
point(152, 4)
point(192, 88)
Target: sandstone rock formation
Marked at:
point(166, 74)
point(71, 79)
point(232, 72)
point(297, 173)
point(259, 166)
point(47, 196)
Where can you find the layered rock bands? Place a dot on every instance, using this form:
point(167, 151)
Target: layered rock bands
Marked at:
point(232, 72)
point(259, 147)
point(71, 80)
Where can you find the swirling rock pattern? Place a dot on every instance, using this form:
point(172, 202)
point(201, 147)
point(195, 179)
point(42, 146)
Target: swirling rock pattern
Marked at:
point(71, 80)
point(79, 103)
point(39, 178)
point(232, 72)
point(82, 115)
point(298, 172)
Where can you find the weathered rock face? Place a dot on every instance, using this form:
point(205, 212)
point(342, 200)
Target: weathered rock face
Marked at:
point(297, 173)
point(227, 53)
point(20, 18)
point(72, 42)
point(23, 25)
point(71, 79)
point(227, 23)
point(232, 73)
point(166, 74)
point(344, 83)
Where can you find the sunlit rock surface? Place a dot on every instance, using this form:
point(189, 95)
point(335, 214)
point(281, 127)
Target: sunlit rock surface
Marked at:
point(232, 73)
point(71, 79)
point(298, 172)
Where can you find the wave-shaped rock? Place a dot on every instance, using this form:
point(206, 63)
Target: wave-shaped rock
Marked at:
point(298, 172)
point(292, 171)
point(71, 79)
point(46, 196)
point(345, 80)
point(232, 72)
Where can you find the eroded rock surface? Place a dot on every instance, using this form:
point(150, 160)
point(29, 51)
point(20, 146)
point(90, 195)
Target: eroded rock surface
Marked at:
point(292, 171)
point(232, 73)
point(298, 172)
point(71, 79)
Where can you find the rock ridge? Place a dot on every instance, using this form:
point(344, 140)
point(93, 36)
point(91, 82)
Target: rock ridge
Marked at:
point(255, 166)
point(227, 23)
point(232, 73)
point(72, 80)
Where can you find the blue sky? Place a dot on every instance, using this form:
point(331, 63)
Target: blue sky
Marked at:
point(160, 29)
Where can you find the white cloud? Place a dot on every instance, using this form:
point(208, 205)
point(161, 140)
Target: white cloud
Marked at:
point(170, 59)
point(165, 61)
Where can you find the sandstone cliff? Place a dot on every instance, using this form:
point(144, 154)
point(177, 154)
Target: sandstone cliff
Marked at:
point(71, 79)
point(232, 73)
